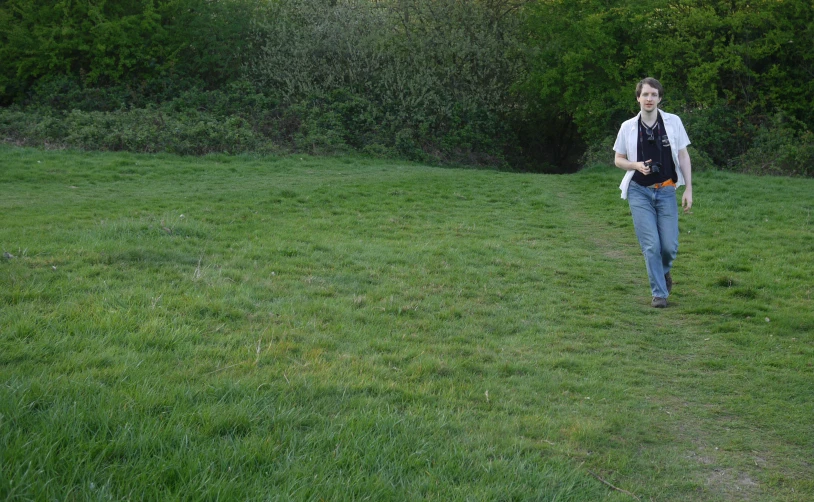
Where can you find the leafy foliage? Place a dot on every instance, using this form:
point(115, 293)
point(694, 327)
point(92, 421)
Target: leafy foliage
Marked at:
point(782, 146)
point(531, 84)
point(728, 66)
point(416, 76)
point(100, 42)
point(147, 46)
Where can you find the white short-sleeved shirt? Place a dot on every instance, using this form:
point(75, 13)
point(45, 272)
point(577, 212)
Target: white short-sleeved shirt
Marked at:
point(628, 137)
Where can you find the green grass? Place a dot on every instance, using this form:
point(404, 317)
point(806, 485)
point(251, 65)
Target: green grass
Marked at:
point(353, 329)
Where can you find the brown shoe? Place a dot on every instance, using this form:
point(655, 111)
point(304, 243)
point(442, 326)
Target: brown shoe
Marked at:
point(658, 302)
point(669, 280)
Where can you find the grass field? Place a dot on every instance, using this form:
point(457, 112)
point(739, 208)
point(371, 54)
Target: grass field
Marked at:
point(238, 328)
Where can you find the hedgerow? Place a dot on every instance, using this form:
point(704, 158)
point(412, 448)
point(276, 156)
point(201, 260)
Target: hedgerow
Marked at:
point(514, 83)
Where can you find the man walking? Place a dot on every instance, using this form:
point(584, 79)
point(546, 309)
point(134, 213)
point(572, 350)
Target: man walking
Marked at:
point(652, 148)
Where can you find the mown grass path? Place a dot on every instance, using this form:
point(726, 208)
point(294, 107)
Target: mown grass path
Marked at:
point(349, 329)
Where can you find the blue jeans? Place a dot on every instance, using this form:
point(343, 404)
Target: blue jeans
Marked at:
point(655, 218)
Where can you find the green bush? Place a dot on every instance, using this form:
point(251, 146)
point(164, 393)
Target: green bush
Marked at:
point(725, 66)
point(129, 50)
point(427, 80)
point(531, 85)
point(783, 146)
point(722, 132)
point(98, 42)
point(147, 130)
point(700, 160)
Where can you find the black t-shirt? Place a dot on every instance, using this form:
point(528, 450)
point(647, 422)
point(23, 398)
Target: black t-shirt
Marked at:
point(654, 145)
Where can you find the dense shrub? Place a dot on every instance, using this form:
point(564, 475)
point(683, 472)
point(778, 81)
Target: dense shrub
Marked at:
point(428, 79)
point(148, 130)
point(721, 131)
point(424, 80)
point(782, 146)
point(234, 119)
point(726, 65)
point(141, 49)
point(100, 42)
point(529, 84)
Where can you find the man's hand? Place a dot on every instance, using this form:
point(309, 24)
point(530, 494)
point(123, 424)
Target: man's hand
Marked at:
point(686, 200)
point(622, 163)
point(686, 169)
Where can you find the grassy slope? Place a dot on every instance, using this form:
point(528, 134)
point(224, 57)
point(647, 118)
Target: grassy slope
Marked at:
point(304, 328)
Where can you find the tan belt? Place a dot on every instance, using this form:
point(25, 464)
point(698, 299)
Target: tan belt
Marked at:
point(668, 183)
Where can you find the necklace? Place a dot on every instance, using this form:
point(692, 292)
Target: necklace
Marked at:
point(650, 131)
point(655, 118)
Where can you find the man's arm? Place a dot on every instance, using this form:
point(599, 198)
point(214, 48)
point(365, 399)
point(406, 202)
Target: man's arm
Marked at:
point(686, 169)
point(622, 163)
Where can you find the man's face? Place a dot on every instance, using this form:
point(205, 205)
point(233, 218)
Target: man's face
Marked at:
point(649, 98)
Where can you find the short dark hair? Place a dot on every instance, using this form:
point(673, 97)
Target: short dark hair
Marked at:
point(655, 84)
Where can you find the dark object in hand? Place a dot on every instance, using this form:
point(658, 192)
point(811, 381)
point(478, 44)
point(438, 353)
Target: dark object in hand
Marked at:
point(655, 167)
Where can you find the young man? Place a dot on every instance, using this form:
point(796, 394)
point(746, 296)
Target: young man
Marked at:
point(652, 148)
